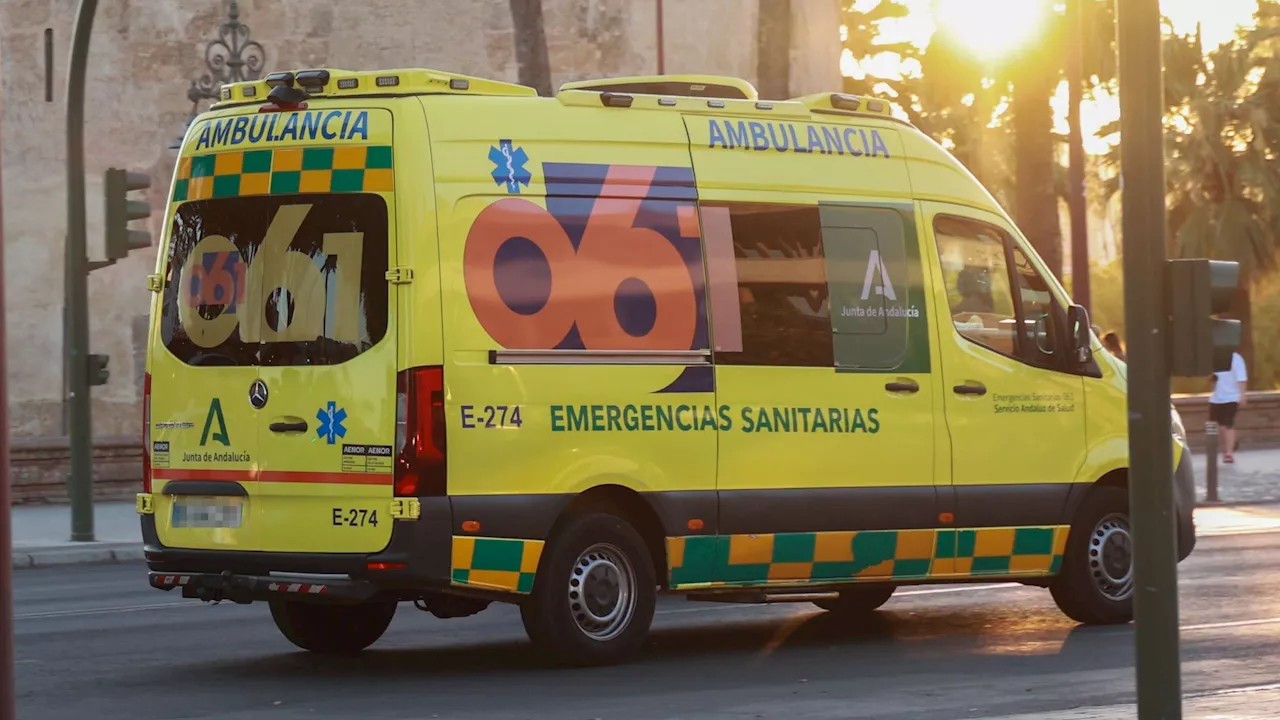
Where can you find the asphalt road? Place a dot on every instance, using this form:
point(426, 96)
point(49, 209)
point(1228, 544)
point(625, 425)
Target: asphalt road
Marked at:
point(97, 642)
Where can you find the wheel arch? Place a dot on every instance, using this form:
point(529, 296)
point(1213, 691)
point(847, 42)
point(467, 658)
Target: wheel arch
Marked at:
point(1115, 477)
point(629, 505)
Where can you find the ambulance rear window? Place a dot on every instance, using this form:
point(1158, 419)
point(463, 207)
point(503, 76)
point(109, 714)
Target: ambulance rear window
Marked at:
point(276, 280)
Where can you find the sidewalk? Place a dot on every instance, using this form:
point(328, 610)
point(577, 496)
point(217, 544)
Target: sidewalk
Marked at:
point(1253, 478)
point(1248, 703)
point(42, 535)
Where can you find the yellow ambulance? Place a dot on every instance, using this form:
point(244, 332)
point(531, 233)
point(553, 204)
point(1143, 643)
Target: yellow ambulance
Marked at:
point(422, 337)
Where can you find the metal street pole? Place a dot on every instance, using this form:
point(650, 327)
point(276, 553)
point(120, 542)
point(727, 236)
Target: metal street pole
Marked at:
point(1076, 196)
point(8, 711)
point(1211, 462)
point(1150, 441)
point(80, 486)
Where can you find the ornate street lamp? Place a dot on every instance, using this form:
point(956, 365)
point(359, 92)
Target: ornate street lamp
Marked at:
point(232, 57)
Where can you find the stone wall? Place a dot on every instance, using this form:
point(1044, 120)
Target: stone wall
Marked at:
point(1257, 425)
point(144, 54)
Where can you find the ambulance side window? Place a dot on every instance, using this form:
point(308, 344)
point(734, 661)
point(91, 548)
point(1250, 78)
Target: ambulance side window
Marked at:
point(768, 285)
point(976, 272)
point(998, 299)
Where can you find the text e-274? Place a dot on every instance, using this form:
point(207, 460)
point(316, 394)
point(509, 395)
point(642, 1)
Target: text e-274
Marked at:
point(490, 416)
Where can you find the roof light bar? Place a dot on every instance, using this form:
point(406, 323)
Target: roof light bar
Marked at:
point(616, 100)
point(276, 79)
point(313, 79)
point(841, 101)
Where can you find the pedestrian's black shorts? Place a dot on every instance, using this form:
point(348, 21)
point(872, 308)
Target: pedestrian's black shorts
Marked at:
point(1223, 413)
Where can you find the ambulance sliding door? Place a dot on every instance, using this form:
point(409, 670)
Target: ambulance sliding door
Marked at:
point(821, 352)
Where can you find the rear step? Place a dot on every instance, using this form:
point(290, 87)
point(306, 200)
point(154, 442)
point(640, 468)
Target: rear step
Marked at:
point(761, 597)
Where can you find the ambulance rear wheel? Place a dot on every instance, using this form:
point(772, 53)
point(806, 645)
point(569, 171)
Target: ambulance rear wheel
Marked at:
point(857, 600)
point(332, 629)
point(1095, 585)
point(594, 593)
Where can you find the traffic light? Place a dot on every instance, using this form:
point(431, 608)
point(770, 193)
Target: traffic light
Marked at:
point(120, 211)
point(1201, 344)
point(98, 372)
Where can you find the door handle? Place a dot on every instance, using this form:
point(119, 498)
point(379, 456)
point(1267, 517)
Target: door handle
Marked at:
point(907, 386)
point(977, 389)
point(288, 425)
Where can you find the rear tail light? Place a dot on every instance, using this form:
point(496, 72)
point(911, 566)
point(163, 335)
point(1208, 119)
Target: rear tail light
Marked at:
point(421, 467)
point(146, 433)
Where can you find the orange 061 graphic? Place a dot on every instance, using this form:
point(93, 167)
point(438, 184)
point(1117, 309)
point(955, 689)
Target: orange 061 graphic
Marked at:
point(612, 263)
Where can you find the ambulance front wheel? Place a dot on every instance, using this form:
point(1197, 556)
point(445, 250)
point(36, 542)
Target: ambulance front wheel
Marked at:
point(594, 593)
point(332, 629)
point(1095, 585)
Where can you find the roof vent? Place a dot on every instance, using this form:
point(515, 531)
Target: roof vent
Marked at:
point(709, 86)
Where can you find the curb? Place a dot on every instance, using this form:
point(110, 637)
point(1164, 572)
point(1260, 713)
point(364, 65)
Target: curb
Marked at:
point(1202, 503)
point(78, 554)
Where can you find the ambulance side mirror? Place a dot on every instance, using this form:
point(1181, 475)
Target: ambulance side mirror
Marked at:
point(1081, 333)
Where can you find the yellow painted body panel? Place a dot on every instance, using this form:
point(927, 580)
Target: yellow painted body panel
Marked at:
point(1024, 406)
point(513, 428)
point(258, 223)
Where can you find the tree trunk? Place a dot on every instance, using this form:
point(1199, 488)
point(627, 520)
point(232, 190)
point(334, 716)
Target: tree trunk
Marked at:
point(1076, 196)
point(1036, 203)
point(773, 49)
point(531, 45)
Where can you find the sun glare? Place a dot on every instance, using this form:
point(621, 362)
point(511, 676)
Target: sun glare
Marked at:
point(993, 29)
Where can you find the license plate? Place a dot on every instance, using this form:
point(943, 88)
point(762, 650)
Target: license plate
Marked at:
point(207, 512)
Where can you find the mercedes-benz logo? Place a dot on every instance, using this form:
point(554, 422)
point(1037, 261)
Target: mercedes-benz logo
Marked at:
point(258, 394)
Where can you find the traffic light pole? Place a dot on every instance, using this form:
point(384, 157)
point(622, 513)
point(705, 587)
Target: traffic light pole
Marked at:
point(7, 695)
point(1150, 440)
point(80, 485)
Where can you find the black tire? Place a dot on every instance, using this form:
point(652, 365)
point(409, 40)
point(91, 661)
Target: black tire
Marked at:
point(332, 629)
point(858, 600)
point(575, 628)
point(1095, 584)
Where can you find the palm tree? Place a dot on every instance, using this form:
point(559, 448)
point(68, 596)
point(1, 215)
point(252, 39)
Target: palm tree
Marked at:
point(773, 49)
point(957, 94)
point(1222, 138)
point(534, 68)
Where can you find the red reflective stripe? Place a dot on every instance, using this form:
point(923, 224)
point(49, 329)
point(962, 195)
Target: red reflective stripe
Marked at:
point(276, 476)
point(298, 588)
point(335, 478)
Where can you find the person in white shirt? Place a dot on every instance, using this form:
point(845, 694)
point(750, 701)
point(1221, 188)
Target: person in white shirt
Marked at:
point(1228, 395)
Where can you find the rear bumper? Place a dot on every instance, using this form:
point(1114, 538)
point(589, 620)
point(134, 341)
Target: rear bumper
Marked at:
point(417, 556)
point(248, 588)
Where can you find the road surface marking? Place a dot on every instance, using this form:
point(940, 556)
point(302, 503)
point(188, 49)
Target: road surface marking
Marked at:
point(99, 611)
point(1232, 624)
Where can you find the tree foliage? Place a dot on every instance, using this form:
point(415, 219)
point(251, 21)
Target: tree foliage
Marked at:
point(995, 118)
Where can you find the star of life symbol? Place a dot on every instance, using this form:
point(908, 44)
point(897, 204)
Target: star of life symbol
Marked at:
point(331, 419)
point(509, 169)
point(885, 287)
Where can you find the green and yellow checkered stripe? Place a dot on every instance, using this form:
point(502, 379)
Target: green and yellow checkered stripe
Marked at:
point(495, 563)
point(799, 558)
point(349, 168)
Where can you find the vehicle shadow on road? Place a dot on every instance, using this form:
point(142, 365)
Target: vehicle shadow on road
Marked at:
point(816, 645)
